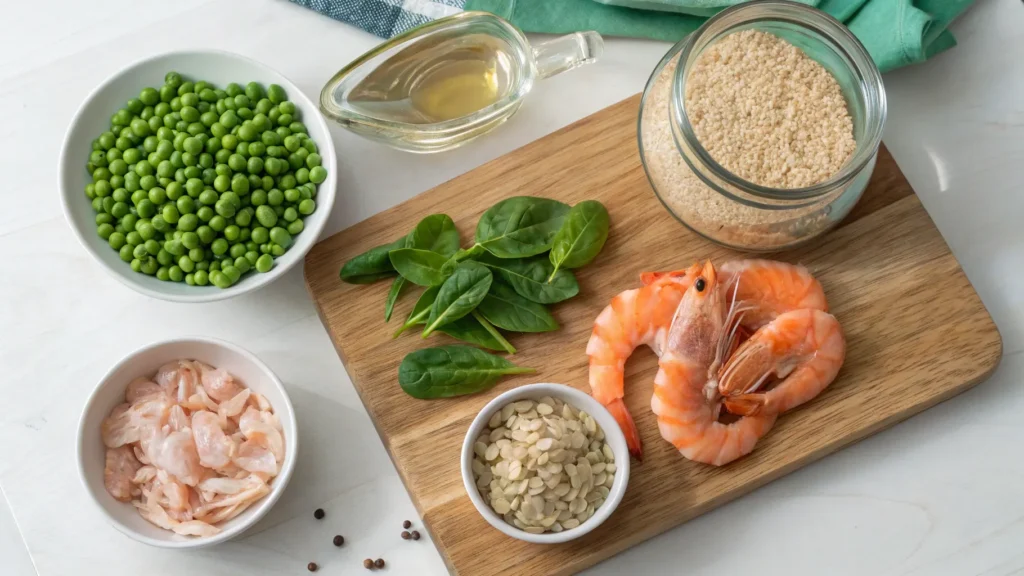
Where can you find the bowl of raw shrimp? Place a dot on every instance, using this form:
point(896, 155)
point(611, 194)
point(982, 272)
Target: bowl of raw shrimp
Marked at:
point(187, 443)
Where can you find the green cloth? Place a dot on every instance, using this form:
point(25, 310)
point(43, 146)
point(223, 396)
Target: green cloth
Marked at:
point(895, 32)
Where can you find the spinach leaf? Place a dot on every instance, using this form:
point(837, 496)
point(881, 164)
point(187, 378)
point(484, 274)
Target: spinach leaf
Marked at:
point(436, 233)
point(534, 278)
point(421, 310)
point(469, 329)
point(459, 295)
point(393, 293)
point(581, 237)
point(421, 267)
point(371, 265)
point(505, 308)
point(447, 371)
point(520, 226)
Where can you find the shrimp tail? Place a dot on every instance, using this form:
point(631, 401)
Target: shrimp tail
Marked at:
point(618, 409)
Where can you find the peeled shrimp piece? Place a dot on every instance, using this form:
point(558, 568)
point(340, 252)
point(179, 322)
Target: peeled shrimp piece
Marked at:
point(145, 475)
point(118, 428)
point(142, 389)
point(226, 485)
point(254, 457)
point(256, 430)
point(175, 452)
point(178, 379)
point(154, 514)
point(177, 419)
point(196, 528)
point(235, 405)
point(218, 383)
point(256, 489)
point(118, 471)
point(214, 447)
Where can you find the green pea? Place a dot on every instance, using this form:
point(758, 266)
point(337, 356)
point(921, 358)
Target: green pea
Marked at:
point(219, 246)
point(263, 106)
point(205, 213)
point(225, 209)
point(162, 274)
point(193, 172)
point(175, 247)
point(164, 258)
point(242, 101)
point(244, 234)
point(195, 128)
point(317, 174)
point(260, 235)
point(244, 217)
point(140, 252)
point(264, 263)
point(157, 195)
point(209, 175)
point(147, 182)
point(237, 250)
point(105, 230)
point(221, 183)
point(152, 246)
point(222, 156)
point(197, 255)
point(277, 250)
point(190, 240)
point(294, 228)
point(275, 197)
point(102, 189)
point(208, 197)
point(252, 256)
point(146, 208)
point(232, 273)
point(136, 265)
point(229, 120)
point(276, 94)
point(290, 214)
point(280, 236)
point(104, 218)
point(149, 96)
point(313, 160)
point(159, 224)
point(208, 95)
point(291, 195)
point(254, 91)
point(133, 238)
point(175, 190)
point(190, 279)
point(125, 252)
point(309, 146)
point(214, 264)
point(185, 205)
point(284, 120)
point(246, 133)
point(302, 175)
point(188, 221)
point(186, 263)
point(175, 274)
point(107, 140)
point(123, 143)
point(266, 216)
point(242, 264)
point(229, 142)
point(218, 223)
point(236, 162)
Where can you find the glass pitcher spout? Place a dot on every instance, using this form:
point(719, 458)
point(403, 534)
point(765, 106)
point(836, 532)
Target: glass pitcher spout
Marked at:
point(567, 52)
point(442, 84)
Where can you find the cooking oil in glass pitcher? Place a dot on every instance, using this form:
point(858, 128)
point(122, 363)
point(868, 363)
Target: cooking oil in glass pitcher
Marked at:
point(448, 81)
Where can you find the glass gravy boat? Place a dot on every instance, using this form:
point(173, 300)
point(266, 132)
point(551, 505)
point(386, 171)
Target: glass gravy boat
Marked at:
point(446, 82)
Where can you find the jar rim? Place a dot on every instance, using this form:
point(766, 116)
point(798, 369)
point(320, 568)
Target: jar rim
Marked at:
point(837, 36)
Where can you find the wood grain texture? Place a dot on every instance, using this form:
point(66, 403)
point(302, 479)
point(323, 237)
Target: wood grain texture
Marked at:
point(917, 334)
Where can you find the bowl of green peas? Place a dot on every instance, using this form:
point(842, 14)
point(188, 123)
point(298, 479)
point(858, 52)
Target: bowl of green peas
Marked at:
point(197, 176)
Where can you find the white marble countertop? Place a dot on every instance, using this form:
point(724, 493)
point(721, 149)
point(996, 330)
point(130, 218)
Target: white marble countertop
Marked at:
point(938, 494)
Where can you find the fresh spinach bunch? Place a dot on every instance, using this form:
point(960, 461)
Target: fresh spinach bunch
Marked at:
point(523, 247)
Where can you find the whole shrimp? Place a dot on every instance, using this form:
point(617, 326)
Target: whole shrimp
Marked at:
point(757, 291)
point(694, 351)
point(804, 347)
point(633, 318)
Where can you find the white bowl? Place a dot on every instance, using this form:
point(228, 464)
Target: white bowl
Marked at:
point(93, 118)
point(580, 400)
point(144, 362)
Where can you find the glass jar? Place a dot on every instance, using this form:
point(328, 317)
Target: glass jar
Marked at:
point(721, 206)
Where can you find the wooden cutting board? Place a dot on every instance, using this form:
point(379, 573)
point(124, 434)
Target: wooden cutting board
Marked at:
point(917, 334)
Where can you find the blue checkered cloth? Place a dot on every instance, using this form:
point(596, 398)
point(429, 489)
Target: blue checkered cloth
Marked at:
point(384, 18)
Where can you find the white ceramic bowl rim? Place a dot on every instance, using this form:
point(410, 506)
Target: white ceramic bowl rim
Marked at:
point(325, 202)
point(259, 509)
point(579, 400)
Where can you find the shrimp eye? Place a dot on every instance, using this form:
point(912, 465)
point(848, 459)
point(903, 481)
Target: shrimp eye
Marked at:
point(699, 284)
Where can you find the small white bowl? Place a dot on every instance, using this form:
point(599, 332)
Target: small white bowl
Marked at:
point(144, 362)
point(580, 400)
point(93, 118)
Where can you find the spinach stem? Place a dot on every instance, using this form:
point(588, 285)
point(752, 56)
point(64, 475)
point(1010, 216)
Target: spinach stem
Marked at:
point(494, 332)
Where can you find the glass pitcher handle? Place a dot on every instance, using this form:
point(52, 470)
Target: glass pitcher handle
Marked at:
point(567, 52)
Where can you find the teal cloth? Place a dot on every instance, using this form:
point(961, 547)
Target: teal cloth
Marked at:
point(895, 32)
